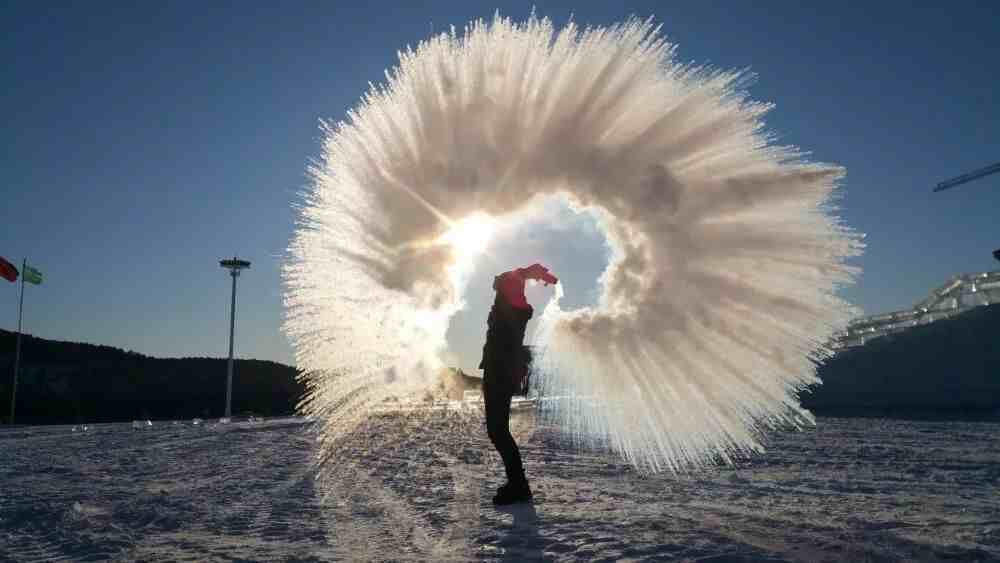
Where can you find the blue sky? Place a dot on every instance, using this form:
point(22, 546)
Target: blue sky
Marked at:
point(143, 143)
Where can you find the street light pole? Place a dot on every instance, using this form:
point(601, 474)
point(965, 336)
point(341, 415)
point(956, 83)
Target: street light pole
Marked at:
point(234, 266)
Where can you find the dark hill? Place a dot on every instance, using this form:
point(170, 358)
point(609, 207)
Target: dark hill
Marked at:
point(71, 382)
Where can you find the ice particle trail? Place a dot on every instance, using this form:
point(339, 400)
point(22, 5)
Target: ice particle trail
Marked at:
point(722, 290)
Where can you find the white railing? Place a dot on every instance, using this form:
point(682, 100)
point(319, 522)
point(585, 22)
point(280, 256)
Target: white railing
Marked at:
point(957, 295)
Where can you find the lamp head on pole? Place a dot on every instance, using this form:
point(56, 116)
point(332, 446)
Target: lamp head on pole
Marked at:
point(234, 265)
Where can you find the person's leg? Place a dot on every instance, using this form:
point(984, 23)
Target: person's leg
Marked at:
point(497, 398)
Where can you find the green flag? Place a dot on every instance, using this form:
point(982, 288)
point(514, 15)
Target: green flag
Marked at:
point(32, 275)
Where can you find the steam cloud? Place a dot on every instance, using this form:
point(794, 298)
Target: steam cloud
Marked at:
point(721, 291)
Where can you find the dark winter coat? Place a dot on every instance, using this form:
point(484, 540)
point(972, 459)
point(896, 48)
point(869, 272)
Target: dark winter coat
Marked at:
point(505, 358)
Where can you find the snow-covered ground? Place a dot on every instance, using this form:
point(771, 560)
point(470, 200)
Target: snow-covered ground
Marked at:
point(417, 486)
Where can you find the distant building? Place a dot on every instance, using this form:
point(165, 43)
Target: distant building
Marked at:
point(959, 294)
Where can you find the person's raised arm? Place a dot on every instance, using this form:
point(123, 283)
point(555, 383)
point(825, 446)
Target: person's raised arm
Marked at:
point(538, 272)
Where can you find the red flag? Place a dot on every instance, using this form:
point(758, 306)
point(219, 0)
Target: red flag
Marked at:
point(7, 270)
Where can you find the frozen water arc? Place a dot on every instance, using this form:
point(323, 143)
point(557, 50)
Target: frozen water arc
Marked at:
point(720, 295)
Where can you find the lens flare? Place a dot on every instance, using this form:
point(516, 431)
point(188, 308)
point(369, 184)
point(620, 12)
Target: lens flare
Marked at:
point(471, 235)
point(721, 293)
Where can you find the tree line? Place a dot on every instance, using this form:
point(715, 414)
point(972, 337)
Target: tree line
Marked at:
point(949, 368)
point(71, 382)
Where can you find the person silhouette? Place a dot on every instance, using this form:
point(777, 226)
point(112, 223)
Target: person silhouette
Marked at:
point(505, 367)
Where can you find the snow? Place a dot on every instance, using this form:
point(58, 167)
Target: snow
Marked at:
point(416, 486)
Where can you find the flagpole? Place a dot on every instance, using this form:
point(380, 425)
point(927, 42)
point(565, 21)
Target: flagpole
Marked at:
point(17, 347)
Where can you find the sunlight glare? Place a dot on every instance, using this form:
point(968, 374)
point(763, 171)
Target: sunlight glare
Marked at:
point(471, 235)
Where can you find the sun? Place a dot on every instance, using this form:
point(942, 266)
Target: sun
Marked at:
point(470, 236)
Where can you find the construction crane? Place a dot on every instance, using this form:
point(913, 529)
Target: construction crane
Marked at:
point(974, 175)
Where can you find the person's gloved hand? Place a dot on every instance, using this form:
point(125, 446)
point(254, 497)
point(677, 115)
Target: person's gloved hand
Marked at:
point(538, 272)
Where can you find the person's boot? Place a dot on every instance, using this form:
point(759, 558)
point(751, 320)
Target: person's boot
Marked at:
point(510, 493)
